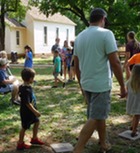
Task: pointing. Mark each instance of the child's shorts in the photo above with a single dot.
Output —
(98, 105)
(7, 88)
(28, 120)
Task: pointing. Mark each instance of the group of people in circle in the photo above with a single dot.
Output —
(63, 60)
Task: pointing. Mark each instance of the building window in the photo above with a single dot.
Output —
(67, 34)
(57, 32)
(45, 35)
(17, 37)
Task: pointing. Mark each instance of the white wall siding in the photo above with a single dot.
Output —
(7, 40)
(33, 35)
(40, 47)
(10, 40)
(30, 32)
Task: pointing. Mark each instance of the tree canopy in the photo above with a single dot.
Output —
(14, 9)
(123, 15)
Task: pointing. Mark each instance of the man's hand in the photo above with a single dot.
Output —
(123, 92)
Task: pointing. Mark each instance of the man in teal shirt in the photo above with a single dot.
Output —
(95, 50)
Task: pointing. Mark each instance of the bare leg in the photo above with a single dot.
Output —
(21, 135)
(85, 134)
(55, 81)
(35, 130)
(65, 70)
(128, 72)
(73, 72)
(69, 74)
(135, 123)
(101, 128)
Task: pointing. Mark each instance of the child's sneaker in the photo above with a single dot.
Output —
(36, 141)
(22, 146)
(64, 84)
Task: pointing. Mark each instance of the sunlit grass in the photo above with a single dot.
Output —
(42, 60)
(63, 113)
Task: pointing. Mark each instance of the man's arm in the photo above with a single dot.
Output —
(117, 69)
(77, 72)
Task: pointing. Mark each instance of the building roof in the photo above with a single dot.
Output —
(56, 18)
(13, 22)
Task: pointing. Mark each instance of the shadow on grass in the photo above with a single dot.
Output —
(63, 114)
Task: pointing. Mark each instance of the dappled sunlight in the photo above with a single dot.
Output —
(119, 119)
(63, 114)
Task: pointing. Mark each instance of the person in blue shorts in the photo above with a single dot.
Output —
(28, 109)
(28, 57)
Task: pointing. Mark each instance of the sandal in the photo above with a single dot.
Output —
(106, 149)
(134, 134)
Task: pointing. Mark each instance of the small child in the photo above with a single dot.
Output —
(28, 111)
(28, 57)
(57, 69)
(68, 63)
(3, 54)
(133, 99)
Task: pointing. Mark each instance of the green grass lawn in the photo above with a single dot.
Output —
(63, 114)
(42, 60)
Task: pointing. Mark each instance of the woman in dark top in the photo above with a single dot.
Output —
(132, 47)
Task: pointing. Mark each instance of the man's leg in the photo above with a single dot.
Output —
(101, 128)
(85, 134)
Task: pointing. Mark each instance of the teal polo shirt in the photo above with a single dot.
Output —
(57, 63)
(92, 47)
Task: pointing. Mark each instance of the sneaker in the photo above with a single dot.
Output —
(106, 149)
(70, 80)
(36, 141)
(22, 146)
(64, 84)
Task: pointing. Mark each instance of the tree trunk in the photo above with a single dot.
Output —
(2, 29)
(2, 34)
